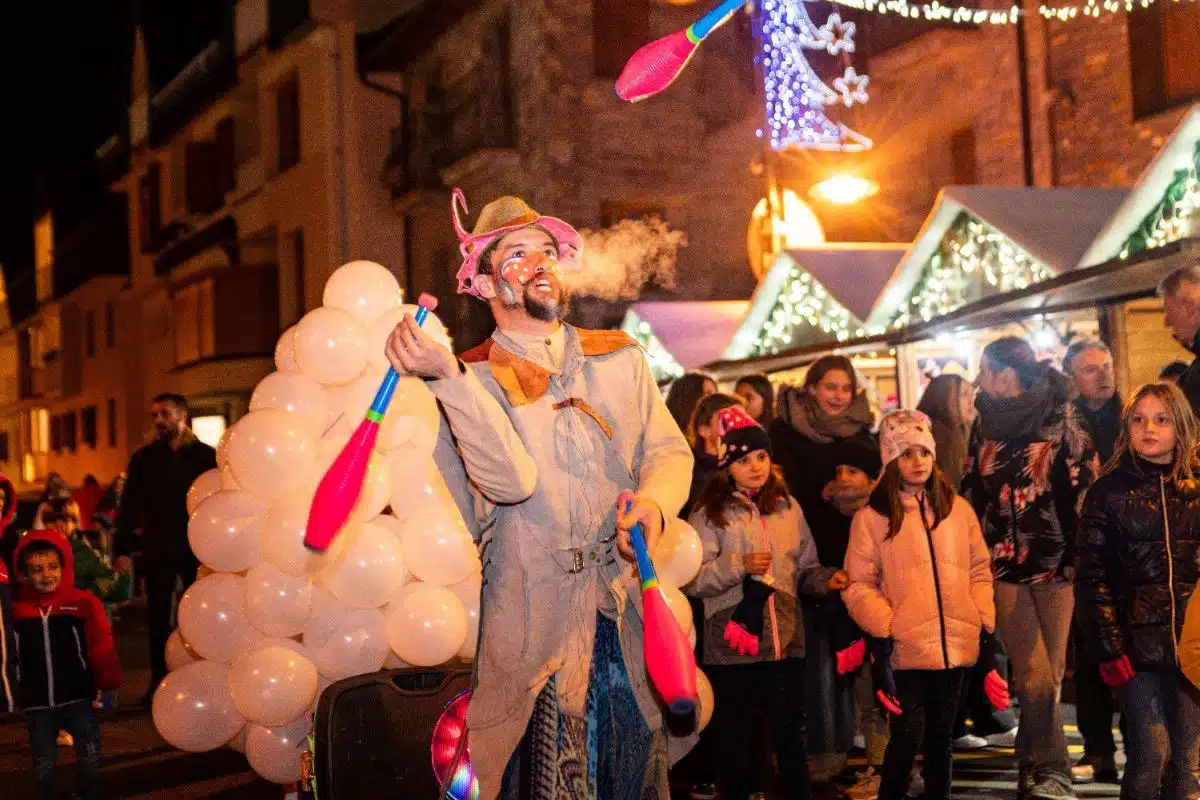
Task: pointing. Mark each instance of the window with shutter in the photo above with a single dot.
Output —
(1164, 56)
(110, 325)
(226, 156)
(88, 423)
(202, 194)
(89, 333)
(69, 422)
(56, 433)
(287, 122)
(112, 422)
(150, 208)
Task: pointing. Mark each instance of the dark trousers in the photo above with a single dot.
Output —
(80, 720)
(929, 700)
(973, 703)
(764, 697)
(161, 601)
(1094, 706)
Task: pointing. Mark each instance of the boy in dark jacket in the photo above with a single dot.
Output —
(66, 652)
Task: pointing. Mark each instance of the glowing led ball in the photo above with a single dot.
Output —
(451, 761)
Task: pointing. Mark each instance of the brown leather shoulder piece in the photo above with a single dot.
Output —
(478, 353)
(602, 343)
(523, 381)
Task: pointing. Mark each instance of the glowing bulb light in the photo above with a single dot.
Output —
(843, 189)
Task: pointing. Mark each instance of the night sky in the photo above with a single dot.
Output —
(64, 89)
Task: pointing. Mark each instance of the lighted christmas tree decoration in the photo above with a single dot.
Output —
(795, 96)
(1174, 217)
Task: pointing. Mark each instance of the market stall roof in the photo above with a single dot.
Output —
(815, 295)
(680, 336)
(1154, 197)
(1049, 228)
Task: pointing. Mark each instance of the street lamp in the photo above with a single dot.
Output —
(844, 189)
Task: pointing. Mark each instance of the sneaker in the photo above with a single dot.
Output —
(704, 791)
(1084, 770)
(64, 739)
(970, 742)
(916, 784)
(866, 787)
(1050, 787)
(1005, 739)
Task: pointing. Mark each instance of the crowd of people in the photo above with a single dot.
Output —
(870, 584)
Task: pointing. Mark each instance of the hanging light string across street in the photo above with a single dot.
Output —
(969, 15)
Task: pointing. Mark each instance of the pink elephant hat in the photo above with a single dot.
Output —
(501, 216)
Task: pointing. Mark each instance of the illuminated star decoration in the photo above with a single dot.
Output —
(852, 87)
(837, 36)
(794, 95)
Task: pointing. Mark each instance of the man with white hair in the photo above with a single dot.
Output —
(1181, 302)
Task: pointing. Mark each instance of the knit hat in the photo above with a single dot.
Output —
(901, 430)
(860, 452)
(740, 436)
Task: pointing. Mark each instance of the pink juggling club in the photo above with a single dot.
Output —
(670, 659)
(342, 484)
(655, 66)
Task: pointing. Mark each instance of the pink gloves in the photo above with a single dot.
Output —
(741, 640)
(996, 690)
(1117, 673)
(852, 657)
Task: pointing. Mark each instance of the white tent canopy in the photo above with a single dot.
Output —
(679, 336)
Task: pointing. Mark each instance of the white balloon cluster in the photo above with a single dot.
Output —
(270, 624)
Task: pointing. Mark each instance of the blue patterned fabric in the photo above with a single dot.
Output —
(609, 755)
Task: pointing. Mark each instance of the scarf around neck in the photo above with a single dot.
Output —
(800, 410)
(1003, 418)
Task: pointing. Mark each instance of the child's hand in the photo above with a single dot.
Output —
(838, 581)
(756, 563)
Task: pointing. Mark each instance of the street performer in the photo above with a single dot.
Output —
(553, 423)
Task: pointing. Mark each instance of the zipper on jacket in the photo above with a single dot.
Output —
(937, 583)
(49, 660)
(1162, 492)
(771, 599)
(79, 649)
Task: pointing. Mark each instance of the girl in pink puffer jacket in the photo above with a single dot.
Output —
(921, 587)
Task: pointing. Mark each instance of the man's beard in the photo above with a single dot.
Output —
(166, 432)
(544, 311)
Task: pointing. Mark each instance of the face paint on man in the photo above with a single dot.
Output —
(527, 267)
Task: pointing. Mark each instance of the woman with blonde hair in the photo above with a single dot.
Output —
(1139, 538)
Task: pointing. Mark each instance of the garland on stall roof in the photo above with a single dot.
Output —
(972, 261)
(1171, 219)
(973, 15)
(663, 365)
(804, 308)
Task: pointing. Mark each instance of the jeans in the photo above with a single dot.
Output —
(161, 602)
(1035, 621)
(872, 721)
(929, 702)
(80, 720)
(767, 696)
(1162, 716)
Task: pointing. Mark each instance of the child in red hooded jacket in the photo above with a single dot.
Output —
(65, 653)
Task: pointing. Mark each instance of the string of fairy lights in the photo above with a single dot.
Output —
(971, 15)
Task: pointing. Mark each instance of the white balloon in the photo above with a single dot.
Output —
(212, 618)
(427, 627)
(437, 547)
(395, 662)
(282, 540)
(206, 484)
(294, 392)
(223, 449)
(285, 351)
(411, 416)
(330, 346)
(677, 554)
(344, 641)
(274, 753)
(271, 452)
(364, 289)
(416, 483)
(468, 593)
(277, 604)
(228, 481)
(680, 608)
(238, 742)
(272, 685)
(177, 652)
(707, 701)
(381, 329)
(369, 569)
(376, 485)
(274, 641)
(223, 531)
(192, 709)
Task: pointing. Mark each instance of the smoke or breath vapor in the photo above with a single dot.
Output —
(619, 261)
